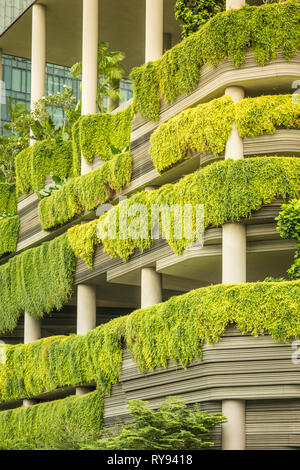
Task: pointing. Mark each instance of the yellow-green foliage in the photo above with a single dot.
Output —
(265, 30)
(255, 116)
(83, 239)
(205, 128)
(229, 190)
(94, 134)
(8, 199)
(36, 281)
(9, 234)
(35, 163)
(85, 193)
(55, 423)
(60, 361)
(176, 330)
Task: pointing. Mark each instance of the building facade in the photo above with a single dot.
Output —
(158, 316)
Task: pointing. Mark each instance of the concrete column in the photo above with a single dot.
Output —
(234, 271)
(86, 308)
(38, 52)
(32, 332)
(154, 29)
(86, 317)
(90, 27)
(235, 4)
(233, 432)
(234, 146)
(151, 287)
(32, 329)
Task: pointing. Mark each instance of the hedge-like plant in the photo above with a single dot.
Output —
(176, 330)
(265, 30)
(35, 163)
(95, 134)
(8, 200)
(9, 234)
(36, 281)
(54, 425)
(265, 114)
(86, 192)
(194, 13)
(207, 127)
(289, 227)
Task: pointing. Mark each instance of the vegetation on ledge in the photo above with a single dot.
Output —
(53, 425)
(36, 281)
(95, 134)
(86, 192)
(44, 158)
(206, 128)
(265, 30)
(9, 234)
(176, 330)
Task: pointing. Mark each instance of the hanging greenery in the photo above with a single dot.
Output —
(265, 30)
(194, 13)
(95, 134)
(55, 425)
(86, 192)
(206, 128)
(8, 200)
(176, 330)
(9, 234)
(36, 281)
(35, 163)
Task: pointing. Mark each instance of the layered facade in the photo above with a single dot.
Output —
(110, 313)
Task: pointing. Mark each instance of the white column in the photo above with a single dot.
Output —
(234, 4)
(90, 26)
(151, 287)
(233, 432)
(86, 308)
(32, 332)
(38, 52)
(154, 29)
(86, 316)
(234, 271)
(32, 329)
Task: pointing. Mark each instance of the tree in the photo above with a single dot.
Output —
(110, 71)
(194, 13)
(172, 427)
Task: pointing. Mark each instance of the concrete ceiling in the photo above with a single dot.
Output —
(121, 23)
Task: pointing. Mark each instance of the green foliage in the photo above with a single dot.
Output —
(205, 128)
(8, 199)
(194, 13)
(57, 425)
(110, 71)
(36, 281)
(176, 330)
(60, 361)
(264, 114)
(289, 227)
(229, 190)
(172, 426)
(9, 234)
(83, 240)
(35, 163)
(265, 30)
(85, 192)
(94, 134)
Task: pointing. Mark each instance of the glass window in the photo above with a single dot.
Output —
(16, 79)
